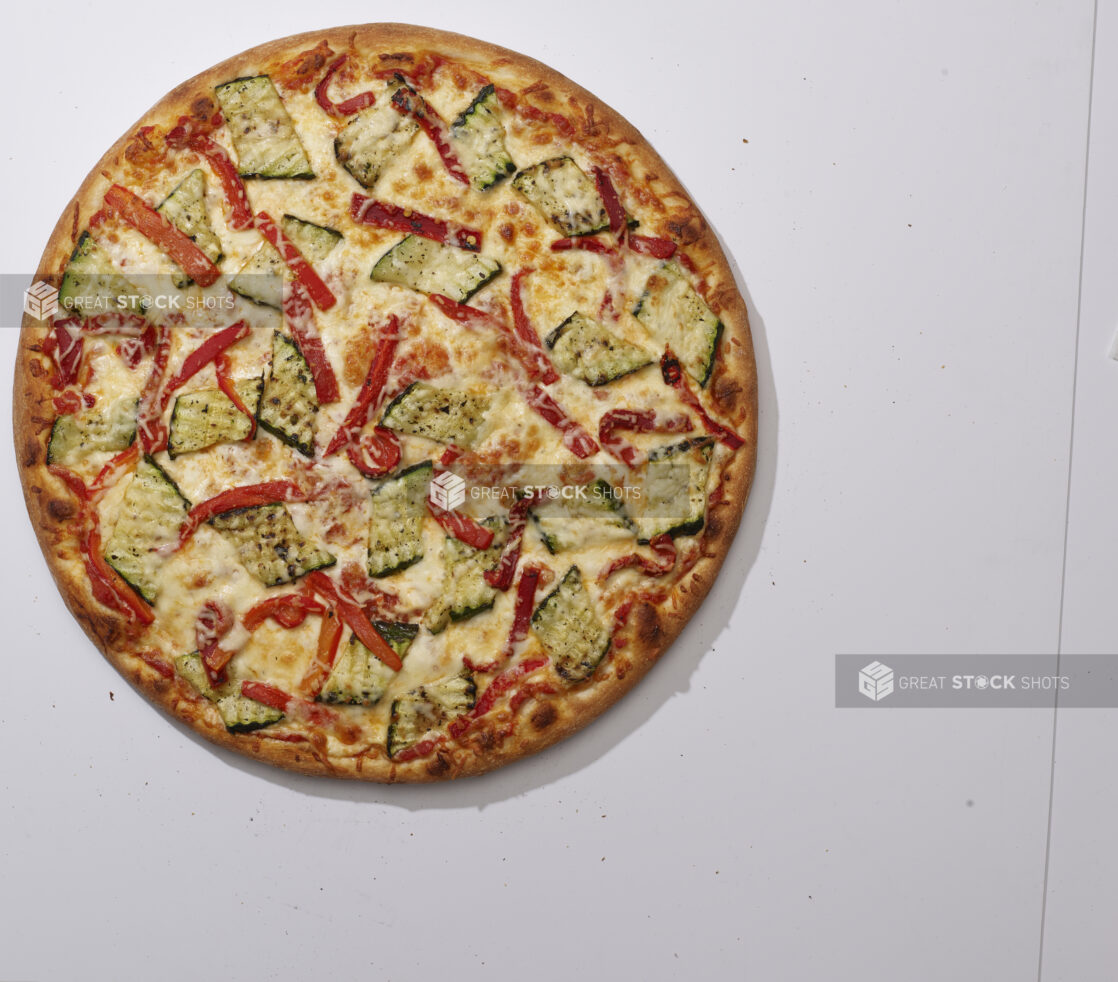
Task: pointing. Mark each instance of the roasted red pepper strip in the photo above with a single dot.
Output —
(107, 475)
(355, 617)
(201, 356)
(153, 661)
(382, 215)
(377, 454)
(533, 359)
(321, 295)
(672, 371)
(371, 389)
(501, 576)
(526, 332)
(289, 610)
(498, 687)
(349, 106)
(462, 527)
(329, 637)
(575, 438)
(648, 245)
(641, 421)
(512, 102)
(240, 213)
(299, 314)
(608, 193)
(521, 619)
(150, 431)
(410, 103)
(152, 225)
(586, 244)
(293, 706)
(67, 403)
(664, 548)
(246, 496)
(68, 349)
(215, 620)
(226, 384)
(421, 749)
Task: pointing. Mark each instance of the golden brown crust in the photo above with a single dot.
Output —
(650, 628)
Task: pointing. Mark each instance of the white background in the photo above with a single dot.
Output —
(925, 222)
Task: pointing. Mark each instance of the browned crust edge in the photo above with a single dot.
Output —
(653, 628)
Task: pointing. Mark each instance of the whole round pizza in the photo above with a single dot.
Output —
(385, 406)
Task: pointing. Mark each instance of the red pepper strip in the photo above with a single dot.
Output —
(152, 225)
(299, 314)
(371, 388)
(450, 455)
(226, 384)
(201, 356)
(246, 496)
(648, 245)
(462, 527)
(642, 421)
(377, 454)
(355, 617)
(106, 476)
(608, 193)
(151, 432)
(521, 618)
(349, 106)
(511, 101)
(673, 376)
(410, 103)
(524, 329)
(584, 243)
(500, 577)
(664, 548)
(67, 403)
(153, 661)
(289, 610)
(329, 638)
(498, 687)
(69, 345)
(575, 438)
(130, 325)
(303, 271)
(382, 215)
(421, 749)
(533, 359)
(240, 213)
(293, 706)
(214, 622)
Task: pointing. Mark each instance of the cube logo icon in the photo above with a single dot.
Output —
(875, 681)
(40, 300)
(447, 491)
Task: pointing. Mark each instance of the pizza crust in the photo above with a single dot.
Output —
(651, 627)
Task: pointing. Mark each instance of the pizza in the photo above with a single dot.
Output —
(396, 410)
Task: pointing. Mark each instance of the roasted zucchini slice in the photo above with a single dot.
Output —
(263, 134)
(564, 195)
(269, 545)
(674, 489)
(289, 403)
(207, 417)
(587, 349)
(590, 518)
(570, 629)
(443, 415)
(676, 316)
(185, 208)
(431, 267)
(399, 505)
(358, 677)
(191, 668)
(150, 516)
(369, 141)
(315, 242)
(465, 592)
(478, 139)
(427, 708)
(92, 284)
(242, 715)
(106, 428)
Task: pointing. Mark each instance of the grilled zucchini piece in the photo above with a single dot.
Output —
(289, 403)
(674, 493)
(570, 629)
(315, 242)
(208, 417)
(358, 677)
(399, 505)
(185, 208)
(370, 140)
(586, 349)
(427, 708)
(431, 267)
(678, 317)
(478, 139)
(92, 284)
(465, 592)
(110, 428)
(564, 195)
(595, 517)
(242, 714)
(191, 668)
(150, 516)
(443, 415)
(263, 134)
(269, 545)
